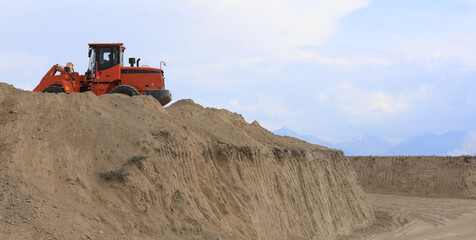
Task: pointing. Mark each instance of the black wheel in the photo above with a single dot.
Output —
(53, 89)
(125, 89)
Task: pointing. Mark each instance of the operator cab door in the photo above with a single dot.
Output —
(105, 63)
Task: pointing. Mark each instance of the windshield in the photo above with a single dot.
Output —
(108, 57)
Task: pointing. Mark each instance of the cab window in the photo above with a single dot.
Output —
(108, 57)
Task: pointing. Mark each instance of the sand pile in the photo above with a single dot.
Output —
(80, 166)
(453, 177)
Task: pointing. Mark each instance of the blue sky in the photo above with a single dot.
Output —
(334, 69)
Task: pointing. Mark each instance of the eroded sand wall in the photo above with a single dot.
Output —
(453, 177)
(207, 173)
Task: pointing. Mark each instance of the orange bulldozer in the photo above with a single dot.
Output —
(106, 74)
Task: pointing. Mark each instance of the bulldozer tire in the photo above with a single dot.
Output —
(125, 89)
(53, 89)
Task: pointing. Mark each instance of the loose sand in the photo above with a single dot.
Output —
(198, 173)
(419, 218)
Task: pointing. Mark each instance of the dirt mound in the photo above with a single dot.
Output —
(80, 166)
(453, 177)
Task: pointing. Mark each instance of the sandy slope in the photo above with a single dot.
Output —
(433, 176)
(207, 173)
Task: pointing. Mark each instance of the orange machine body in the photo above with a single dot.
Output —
(106, 72)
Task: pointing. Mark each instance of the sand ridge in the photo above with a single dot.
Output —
(203, 173)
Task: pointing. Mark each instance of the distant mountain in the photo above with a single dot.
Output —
(454, 143)
(365, 145)
(429, 144)
(284, 131)
(308, 138)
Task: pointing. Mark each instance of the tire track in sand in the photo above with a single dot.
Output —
(411, 218)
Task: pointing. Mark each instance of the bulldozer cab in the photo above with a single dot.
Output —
(103, 57)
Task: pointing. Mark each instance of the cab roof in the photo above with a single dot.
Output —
(104, 44)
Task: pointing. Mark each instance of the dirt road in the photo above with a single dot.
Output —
(402, 217)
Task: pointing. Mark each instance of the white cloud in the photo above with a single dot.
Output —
(258, 35)
(386, 103)
(272, 27)
(371, 105)
(280, 22)
(468, 147)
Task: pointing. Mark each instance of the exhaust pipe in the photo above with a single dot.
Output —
(138, 62)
